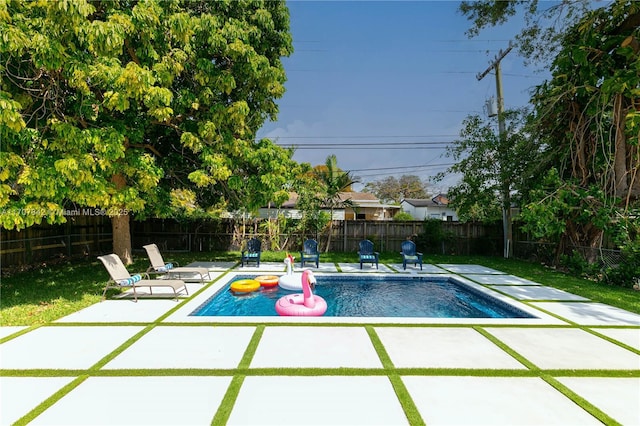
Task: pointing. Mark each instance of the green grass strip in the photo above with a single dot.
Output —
(409, 407)
(407, 403)
(385, 359)
(117, 351)
(507, 349)
(18, 333)
(312, 371)
(251, 348)
(611, 340)
(40, 372)
(169, 372)
(27, 418)
(581, 402)
(551, 314)
(100, 324)
(471, 372)
(320, 371)
(228, 401)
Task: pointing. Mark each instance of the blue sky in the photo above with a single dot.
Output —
(397, 76)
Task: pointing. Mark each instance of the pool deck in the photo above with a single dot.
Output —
(124, 363)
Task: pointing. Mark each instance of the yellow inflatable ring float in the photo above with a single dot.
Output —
(244, 286)
(267, 280)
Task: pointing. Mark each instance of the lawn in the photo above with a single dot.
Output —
(54, 291)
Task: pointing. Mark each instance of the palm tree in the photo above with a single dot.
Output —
(335, 181)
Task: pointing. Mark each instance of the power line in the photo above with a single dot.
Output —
(364, 136)
(339, 147)
(370, 144)
(416, 171)
(402, 167)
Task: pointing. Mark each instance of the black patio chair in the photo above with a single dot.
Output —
(366, 253)
(252, 252)
(310, 253)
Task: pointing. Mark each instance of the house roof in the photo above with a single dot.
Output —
(439, 200)
(358, 196)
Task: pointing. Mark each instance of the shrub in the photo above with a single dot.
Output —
(403, 217)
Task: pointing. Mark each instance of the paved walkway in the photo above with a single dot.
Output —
(150, 363)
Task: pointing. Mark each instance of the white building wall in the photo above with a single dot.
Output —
(434, 212)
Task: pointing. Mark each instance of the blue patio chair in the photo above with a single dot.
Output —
(252, 252)
(366, 253)
(410, 255)
(310, 253)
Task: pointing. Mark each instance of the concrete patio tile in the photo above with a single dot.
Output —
(190, 277)
(618, 397)
(264, 267)
(121, 311)
(468, 269)
(565, 348)
(366, 267)
(19, 395)
(186, 347)
(8, 331)
(499, 279)
(63, 347)
(628, 336)
(309, 347)
(138, 401)
(323, 267)
(537, 293)
(317, 400)
(590, 313)
(213, 266)
(447, 400)
(426, 269)
(447, 347)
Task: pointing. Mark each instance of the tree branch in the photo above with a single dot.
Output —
(146, 146)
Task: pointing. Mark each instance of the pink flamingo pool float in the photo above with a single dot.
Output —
(306, 304)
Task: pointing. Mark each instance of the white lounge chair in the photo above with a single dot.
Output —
(158, 266)
(120, 277)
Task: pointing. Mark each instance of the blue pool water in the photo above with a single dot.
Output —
(371, 296)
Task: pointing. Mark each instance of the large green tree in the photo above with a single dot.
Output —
(588, 116)
(394, 190)
(587, 120)
(146, 107)
(544, 22)
(492, 166)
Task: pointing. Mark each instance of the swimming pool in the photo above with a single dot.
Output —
(371, 296)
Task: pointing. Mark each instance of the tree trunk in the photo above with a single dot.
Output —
(326, 249)
(122, 238)
(120, 227)
(621, 184)
(507, 224)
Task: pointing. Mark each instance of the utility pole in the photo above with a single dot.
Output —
(506, 195)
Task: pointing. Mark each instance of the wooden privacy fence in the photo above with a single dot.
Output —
(91, 236)
(455, 237)
(80, 236)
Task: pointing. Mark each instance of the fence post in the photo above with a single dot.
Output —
(386, 234)
(344, 235)
(28, 255)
